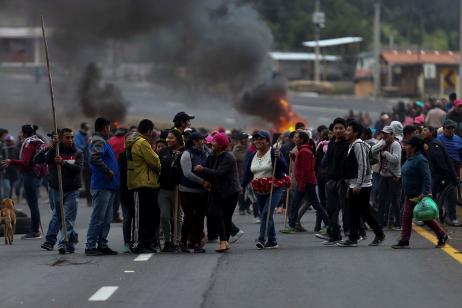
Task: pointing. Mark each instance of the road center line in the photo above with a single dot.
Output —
(103, 294)
(129, 271)
(451, 251)
(144, 257)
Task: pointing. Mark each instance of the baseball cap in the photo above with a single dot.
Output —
(458, 102)
(388, 130)
(262, 134)
(449, 123)
(182, 116)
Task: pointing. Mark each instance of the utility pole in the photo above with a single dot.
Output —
(377, 49)
(318, 20)
(460, 49)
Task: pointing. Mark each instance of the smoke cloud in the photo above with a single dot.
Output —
(216, 47)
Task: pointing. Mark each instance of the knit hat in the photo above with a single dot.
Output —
(221, 139)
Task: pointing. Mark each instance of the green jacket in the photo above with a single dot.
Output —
(143, 168)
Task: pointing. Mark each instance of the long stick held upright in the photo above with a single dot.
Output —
(55, 124)
(270, 202)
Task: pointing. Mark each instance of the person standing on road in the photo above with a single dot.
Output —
(193, 193)
(417, 184)
(142, 179)
(117, 142)
(167, 192)
(71, 161)
(453, 143)
(221, 171)
(335, 187)
(82, 141)
(358, 172)
(389, 151)
(31, 175)
(105, 182)
(304, 171)
(259, 172)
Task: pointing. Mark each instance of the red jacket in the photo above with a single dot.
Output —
(304, 167)
(117, 144)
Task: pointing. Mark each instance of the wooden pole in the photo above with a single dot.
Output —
(287, 196)
(55, 124)
(270, 201)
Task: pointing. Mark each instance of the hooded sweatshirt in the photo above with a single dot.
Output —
(143, 168)
(304, 167)
(361, 175)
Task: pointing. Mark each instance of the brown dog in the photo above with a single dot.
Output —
(8, 218)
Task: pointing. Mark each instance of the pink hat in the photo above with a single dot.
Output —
(208, 139)
(458, 102)
(221, 139)
(419, 120)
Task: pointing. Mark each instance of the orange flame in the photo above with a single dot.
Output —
(289, 118)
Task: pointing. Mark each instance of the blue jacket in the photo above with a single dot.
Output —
(453, 146)
(102, 159)
(281, 168)
(416, 176)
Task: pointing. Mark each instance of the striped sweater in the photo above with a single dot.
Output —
(364, 176)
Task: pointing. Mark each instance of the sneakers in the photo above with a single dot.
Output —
(260, 245)
(257, 220)
(362, 238)
(92, 252)
(377, 240)
(442, 241)
(126, 248)
(332, 241)
(31, 236)
(454, 223)
(347, 243)
(47, 246)
(168, 247)
(288, 230)
(299, 228)
(236, 237)
(106, 251)
(61, 249)
(271, 245)
(322, 236)
(401, 245)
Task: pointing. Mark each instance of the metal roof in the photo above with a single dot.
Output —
(334, 42)
(300, 56)
(20, 32)
(420, 57)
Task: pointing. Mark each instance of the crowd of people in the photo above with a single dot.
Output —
(179, 188)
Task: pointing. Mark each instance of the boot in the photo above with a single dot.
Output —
(222, 247)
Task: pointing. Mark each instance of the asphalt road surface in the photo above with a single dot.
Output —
(301, 273)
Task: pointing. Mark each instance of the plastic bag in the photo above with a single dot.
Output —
(426, 209)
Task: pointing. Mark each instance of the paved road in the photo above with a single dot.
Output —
(302, 273)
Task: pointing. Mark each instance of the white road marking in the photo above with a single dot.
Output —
(129, 271)
(103, 294)
(144, 257)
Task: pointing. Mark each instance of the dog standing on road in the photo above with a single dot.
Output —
(8, 219)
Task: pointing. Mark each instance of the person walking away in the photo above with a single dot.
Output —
(31, 173)
(417, 184)
(142, 180)
(335, 187)
(258, 172)
(222, 172)
(105, 180)
(443, 174)
(304, 171)
(71, 161)
(390, 186)
(193, 193)
(456, 116)
(358, 172)
(167, 192)
(82, 141)
(436, 116)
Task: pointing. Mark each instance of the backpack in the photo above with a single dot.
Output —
(39, 166)
(176, 173)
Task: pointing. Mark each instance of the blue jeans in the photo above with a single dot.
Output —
(311, 197)
(32, 192)
(71, 200)
(101, 217)
(263, 205)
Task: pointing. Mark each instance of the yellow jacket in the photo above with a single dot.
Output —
(143, 166)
